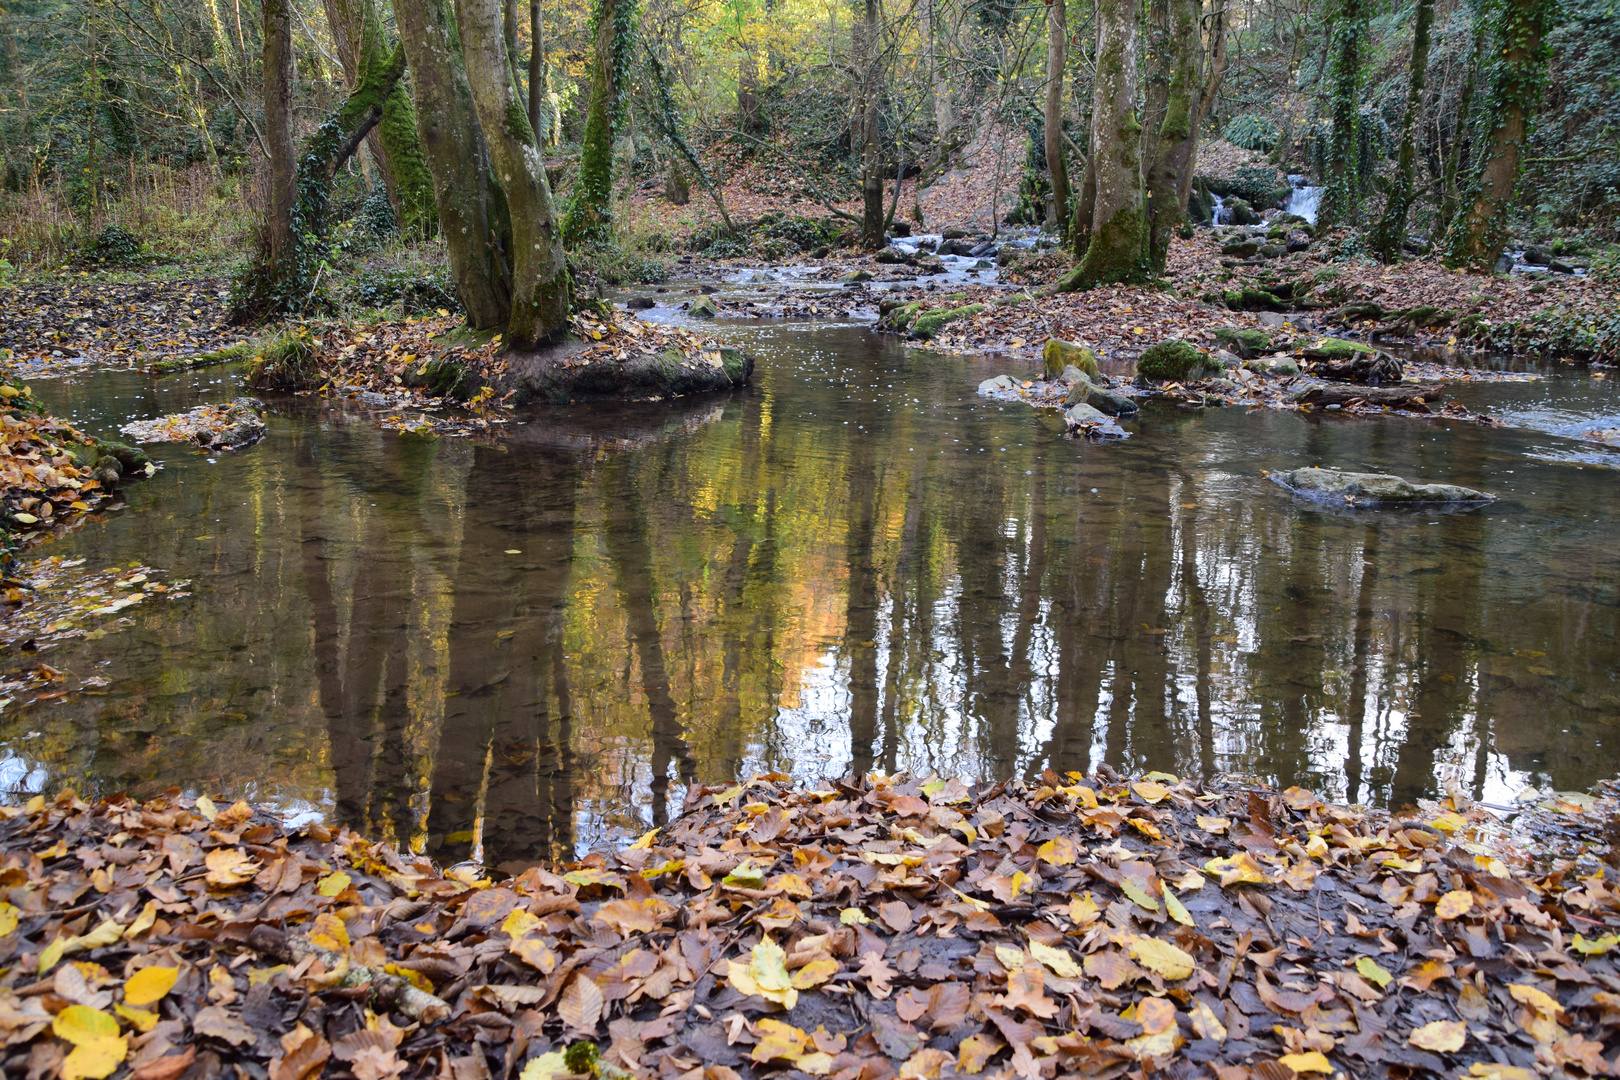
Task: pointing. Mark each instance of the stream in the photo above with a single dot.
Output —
(532, 648)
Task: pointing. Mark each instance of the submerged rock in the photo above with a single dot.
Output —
(1083, 419)
(640, 303)
(1112, 402)
(891, 257)
(1373, 489)
(1000, 382)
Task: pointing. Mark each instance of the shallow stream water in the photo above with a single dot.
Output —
(529, 649)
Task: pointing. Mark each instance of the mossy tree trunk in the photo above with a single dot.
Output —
(1343, 195)
(1118, 247)
(1388, 236)
(469, 203)
(1519, 74)
(1176, 89)
(278, 130)
(1057, 37)
(1459, 150)
(590, 218)
(540, 287)
(1213, 75)
(868, 106)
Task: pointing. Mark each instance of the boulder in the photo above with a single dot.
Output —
(1536, 255)
(1058, 354)
(1245, 343)
(1071, 375)
(955, 247)
(1172, 360)
(953, 233)
(1272, 366)
(932, 322)
(1085, 420)
(1273, 251)
(702, 308)
(1225, 360)
(855, 277)
(640, 303)
(891, 257)
(1373, 489)
(1111, 402)
(901, 228)
(1000, 383)
(1241, 249)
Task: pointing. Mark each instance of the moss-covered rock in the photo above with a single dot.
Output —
(1058, 354)
(1254, 300)
(1241, 249)
(930, 323)
(898, 317)
(1273, 366)
(1357, 310)
(1171, 360)
(1336, 350)
(442, 377)
(553, 373)
(1245, 343)
(702, 308)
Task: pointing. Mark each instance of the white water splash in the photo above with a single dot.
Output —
(1304, 200)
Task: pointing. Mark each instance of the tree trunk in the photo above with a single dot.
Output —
(591, 217)
(1212, 87)
(869, 112)
(1057, 35)
(938, 75)
(1391, 230)
(1522, 26)
(540, 288)
(357, 32)
(453, 145)
(1344, 177)
(1176, 140)
(537, 75)
(278, 130)
(1449, 196)
(1118, 247)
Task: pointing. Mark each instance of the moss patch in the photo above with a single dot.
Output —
(1170, 360)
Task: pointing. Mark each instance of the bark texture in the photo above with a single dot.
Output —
(1176, 89)
(1520, 73)
(470, 207)
(1118, 245)
(591, 216)
(540, 288)
(868, 112)
(1057, 36)
(1391, 229)
(278, 129)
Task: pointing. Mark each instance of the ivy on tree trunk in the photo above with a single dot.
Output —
(1391, 230)
(590, 218)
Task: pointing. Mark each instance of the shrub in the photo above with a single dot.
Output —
(416, 291)
(1252, 132)
(114, 247)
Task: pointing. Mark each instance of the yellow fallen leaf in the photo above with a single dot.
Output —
(1455, 903)
(1133, 889)
(814, 974)
(1535, 997)
(1058, 961)
(141, 1020)
(1162, 958)
(1205, 1024)
(545, 1066)
(1368, 969)
(1150, 790)
(229, 866)
(1059, 851)
(333, 884)
(1312, 1061)
(1582, 945)
(149, 984)
(765, 975)
(1236, 869)
(1441, 1037)
(1177, 910)
(853, 916)
(8, 919)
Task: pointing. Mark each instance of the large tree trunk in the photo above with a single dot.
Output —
(540, 288)
(278, 130)
(1213, 77)
(539, 114)
(1057, 36)
(1478, 239)
(1118, 248)
(1391, 230)
(447, 126)
(1449, 196)
(1343, 193)
(1175, 140)
(361, 48)
(591, 217)
(868, 112)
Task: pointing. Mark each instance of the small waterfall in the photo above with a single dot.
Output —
(1220, 215)
(1304, 200)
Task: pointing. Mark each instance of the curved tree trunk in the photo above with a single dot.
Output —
(540, 288)
(453, 145)
(1388, 236)
(1057, 35)
(1479, 238)
(1343, 194)
(1176, 139)
(591, 216)
(1118, 248)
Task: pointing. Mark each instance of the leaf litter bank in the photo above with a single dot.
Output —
(861, 931)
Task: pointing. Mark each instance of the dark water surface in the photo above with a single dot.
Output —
(532, 648)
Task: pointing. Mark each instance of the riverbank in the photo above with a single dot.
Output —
(863, 930)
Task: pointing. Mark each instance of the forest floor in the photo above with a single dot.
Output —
(860, 931)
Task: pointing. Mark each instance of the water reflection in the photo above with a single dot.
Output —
(520, 651)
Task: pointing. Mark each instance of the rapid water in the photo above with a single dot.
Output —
(532, 647)
(1304, 200)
